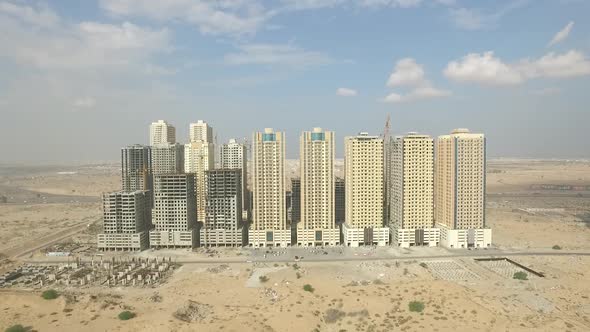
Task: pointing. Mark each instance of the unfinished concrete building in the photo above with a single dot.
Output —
(136, 168)
(223, 221)
(126, 220)
(175, 213)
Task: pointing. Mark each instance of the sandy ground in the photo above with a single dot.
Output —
(347, 297)
(233, 299)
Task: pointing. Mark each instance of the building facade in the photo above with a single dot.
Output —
(411, 191)
(167, 158)
(317, 225)
(199, 158)
(364, 177)
(162, 133)
(126, 220)
(233, 155)
(136, 168)
(175, 213)
(223, 221)
(200, 131)
(269, 224)
(460, 189)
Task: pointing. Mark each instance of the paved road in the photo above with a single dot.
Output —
(319, 259)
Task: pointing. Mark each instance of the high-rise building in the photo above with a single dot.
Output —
(161, 133)
(136, 168)
(126, 220)
(460, 190)
(364, 177)
(234, 156)
(317, 226)
(339, 200)
(411, 190)
(199, 158)
(223, 208)
(175, 213)
(201, 131)
(269, 224)
(167, 158)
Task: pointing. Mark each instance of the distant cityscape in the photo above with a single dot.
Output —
(404, 191)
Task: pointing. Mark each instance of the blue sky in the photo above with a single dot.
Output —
(80, 79)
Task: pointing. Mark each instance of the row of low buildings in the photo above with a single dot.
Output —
(411, 190)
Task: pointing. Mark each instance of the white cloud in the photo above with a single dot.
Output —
(406, 73)
(79, 46)
(475, 19)
(67, 64)
(546, 91)
(40, 16)
(562, 34)
(420, 93)
(279, 54)
(391, 3)
(346, 92)
(482, 68)
(233, 17)
(487, 69)
(409, 74)
(86, 102)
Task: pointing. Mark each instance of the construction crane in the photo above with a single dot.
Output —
(387, 127)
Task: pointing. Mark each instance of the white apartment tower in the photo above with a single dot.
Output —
(174, 213)
(161, 132)
(269, 227)
(167, 158)
(234, 156)
(411, 190)
(199, 158)
(200, 131)
(460, 189)
(364, 177)
(126, 220)
(317, 226)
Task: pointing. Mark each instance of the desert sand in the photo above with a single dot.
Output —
(458, 294)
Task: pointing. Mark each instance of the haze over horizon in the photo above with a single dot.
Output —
(80, 80)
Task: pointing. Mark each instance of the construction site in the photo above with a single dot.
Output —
(115, 272)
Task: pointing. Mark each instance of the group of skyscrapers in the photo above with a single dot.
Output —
(406, 190)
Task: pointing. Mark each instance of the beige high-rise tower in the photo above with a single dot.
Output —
(411, 190)
(198, 158)
(269, 224)
(200, 131)
(364, 177)
(317, 226)
(162, 133)
(460, 189)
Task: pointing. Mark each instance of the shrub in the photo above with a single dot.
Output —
(126, 315)
(16, 328)
(556, 247)
(50, 294)
(520, 275)
(263, 278)
(416, 306)
(308, 288)
(424, 265)
(298, 275)
(295, 267)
